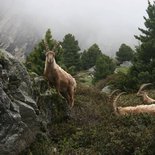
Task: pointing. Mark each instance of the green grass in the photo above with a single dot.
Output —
(122, 69)
(85, 78)
(94, 129)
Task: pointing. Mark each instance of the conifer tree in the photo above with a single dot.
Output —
(89, 57)
(125, 53)
(71, 56)
(104, 67)
(146, 52)
(143, 69)
(36, 59)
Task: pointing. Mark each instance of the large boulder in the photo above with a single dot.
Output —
(27, 106)
(19, 122)
(52, 107)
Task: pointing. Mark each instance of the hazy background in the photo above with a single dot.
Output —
(109, 23)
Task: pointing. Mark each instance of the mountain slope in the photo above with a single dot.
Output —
(18, 33)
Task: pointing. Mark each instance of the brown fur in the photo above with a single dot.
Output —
(64, 83)
(150, 109)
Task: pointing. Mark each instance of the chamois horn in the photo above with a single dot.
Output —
(115, 103)
(57, 44)
(113, 92)
(142, 87)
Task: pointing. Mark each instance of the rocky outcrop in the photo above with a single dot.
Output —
(18, 111)
(26, 108)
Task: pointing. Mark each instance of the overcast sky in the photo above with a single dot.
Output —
(109, 23)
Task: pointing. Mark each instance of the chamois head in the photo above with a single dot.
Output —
(50, 54)
(50, 57)
(140, 91)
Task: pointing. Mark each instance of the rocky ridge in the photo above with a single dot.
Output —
(26, 107)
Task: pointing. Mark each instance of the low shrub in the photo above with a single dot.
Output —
(94, 129)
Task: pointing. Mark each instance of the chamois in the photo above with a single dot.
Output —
(63, 82)
(149, 109)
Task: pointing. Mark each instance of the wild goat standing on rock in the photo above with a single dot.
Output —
(64, 83)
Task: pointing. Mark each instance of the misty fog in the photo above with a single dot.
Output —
(107, 23)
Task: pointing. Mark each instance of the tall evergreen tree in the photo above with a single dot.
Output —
(125, 53)
(143, 69)
(146, 52)
(53, 43)
(104, 67)
(71, 56)
(89, 57)
(36, 59)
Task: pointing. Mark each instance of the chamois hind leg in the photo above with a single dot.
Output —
(67, 97)
(71, 96)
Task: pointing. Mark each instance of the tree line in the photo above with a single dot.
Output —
(73, 60)
(70, 58)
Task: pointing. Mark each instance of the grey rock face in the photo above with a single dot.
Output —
(51, 106)
(19, 122)
(27, 107)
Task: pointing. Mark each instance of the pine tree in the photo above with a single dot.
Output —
(104, 67)
(36, 59)
(146, 52)
(84, 60)
(143, 69)
(71, 56)
(89, 57)
(53, 43)
(125, 53)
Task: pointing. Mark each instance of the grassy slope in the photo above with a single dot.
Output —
(94, 129)
(122, 69)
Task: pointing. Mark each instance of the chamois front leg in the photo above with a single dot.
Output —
(71, 97)
(57, 87)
